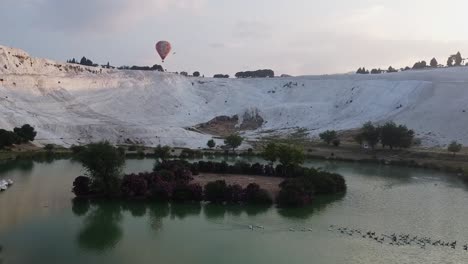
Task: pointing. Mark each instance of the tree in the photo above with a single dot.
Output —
(233, 141)
(328, 136)
(162, 152)
(49, 147)
(211, 143)
(396, 136)
(221, 76)
(8, 138)
(183, 73)
(454, 147)
(420, 65)
(450, 61)
(26, 132)
(270, 152)
(289, 155)
(458, 59)
(103, 163)
(256, 74)
(434, 63)
(196, 74)
(391, 69)
(369, 133)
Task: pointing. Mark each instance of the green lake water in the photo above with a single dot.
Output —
(40, 223)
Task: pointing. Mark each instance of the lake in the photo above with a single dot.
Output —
(40, 223)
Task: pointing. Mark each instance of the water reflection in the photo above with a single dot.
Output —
(24, 165)
(319, 204)
(157, 212)
(218, 211)
(101, 229)
(136, 208)
(80, 207)
(182, 210)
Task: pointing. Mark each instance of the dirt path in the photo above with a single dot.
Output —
(268, 183)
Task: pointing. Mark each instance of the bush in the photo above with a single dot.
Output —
(216, 191)
(183, 192)
(300, 191)
(211, 143)
(256, 74)
(81, 186)
(254, 194)
(221, 76)
(234, 194)
(134, 185)
(77, 149)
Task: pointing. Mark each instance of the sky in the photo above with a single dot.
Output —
(296, 37)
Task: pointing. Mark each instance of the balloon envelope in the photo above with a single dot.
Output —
(163, 48)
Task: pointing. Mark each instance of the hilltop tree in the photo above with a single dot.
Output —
(328, 136)
(391, 69)
(420, 65)
(233, 141)
(454, 147)
(211, 143)
(196, 74)
(450, 61)
(86, 62)
(458, 59)
(434, 63)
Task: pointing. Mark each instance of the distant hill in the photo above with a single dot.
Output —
(70, 103)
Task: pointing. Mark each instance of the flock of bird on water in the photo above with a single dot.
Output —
(389, 239)
(396, 239)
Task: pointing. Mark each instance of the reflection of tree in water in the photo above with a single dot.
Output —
(80, 206)
(214, 211)
(24, 165)
(136, 208)
(319, 204)
(218, 211)
(101, 230)
(182, 210)
(156, 213)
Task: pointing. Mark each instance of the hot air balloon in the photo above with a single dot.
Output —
(163, 48)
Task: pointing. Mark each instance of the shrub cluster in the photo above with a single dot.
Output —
(220, 192)
(301, 190)
(256, 74)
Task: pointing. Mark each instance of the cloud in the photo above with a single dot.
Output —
(252, 30)
(102, 16)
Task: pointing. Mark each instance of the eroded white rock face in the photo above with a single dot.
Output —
(70, 104)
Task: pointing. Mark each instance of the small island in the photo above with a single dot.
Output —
(287, 184)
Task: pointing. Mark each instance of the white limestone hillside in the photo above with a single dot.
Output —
(70, 104)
